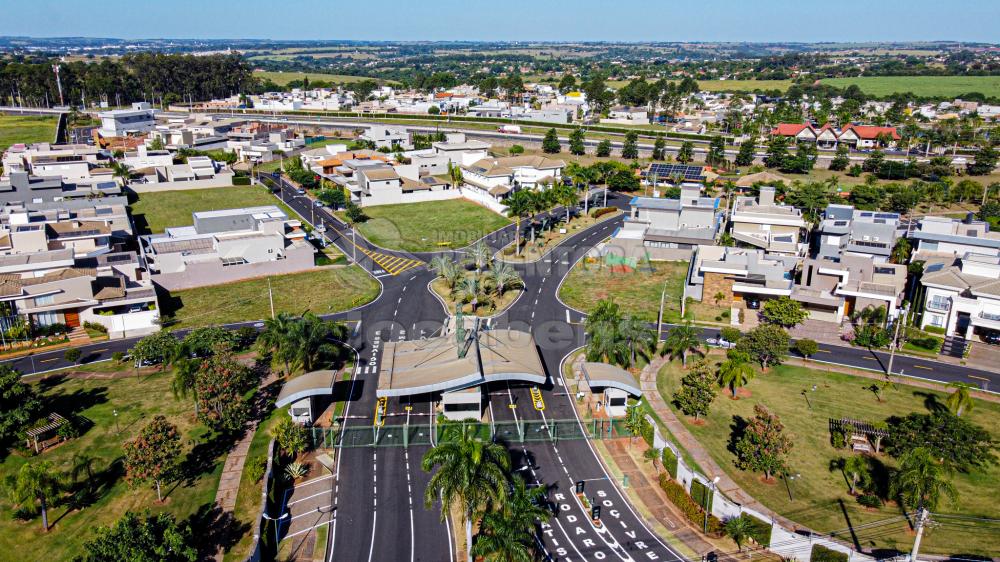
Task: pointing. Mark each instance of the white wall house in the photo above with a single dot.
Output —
(120, 122)
(962, 298)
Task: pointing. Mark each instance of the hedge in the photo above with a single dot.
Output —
(701, 495)
(760, 531)
(241, 180)
(934, 329)
(600, 212)
(692, 511)
(669, 460)
(821, 553)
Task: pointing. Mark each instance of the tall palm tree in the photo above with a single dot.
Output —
(736, 371)
(35, 482)
(469, 288)
(442, 266)
(185, 377)
(508, 535)
(313, 338)
(479, 255)
(606, 344)
(638, 336)
(471, 474)
(504, 277)
(681, 341)
(518, 205)
(921, 481)
(739, 529)
(960, 401)
(277, 339)
(566, 195)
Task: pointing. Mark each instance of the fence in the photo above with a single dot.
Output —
(255, 553)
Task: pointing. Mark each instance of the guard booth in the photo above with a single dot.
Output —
(308, 395)
(609, 388)
(463, 404)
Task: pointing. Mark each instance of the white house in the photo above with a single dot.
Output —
(962, 296)
(121, 122)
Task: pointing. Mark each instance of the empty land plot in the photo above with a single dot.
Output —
(430, 226)
(154, 212)
(27, 129)
(282, 78)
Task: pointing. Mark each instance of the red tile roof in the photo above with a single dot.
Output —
(790, 129)
(871, 131)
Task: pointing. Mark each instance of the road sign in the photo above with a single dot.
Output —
(595, 512)
(580, 485)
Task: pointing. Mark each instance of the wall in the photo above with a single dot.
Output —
(204, 274)
(484, 199)
(394, 195)
(126, 325)
(223, 179)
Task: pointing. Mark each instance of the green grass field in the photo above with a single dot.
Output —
(930, 86)
(743, 85)
(821, 499)
(427, 227)
(282, 78)
(26, 129)
(136, 399)
(154, 212)
(322, 291)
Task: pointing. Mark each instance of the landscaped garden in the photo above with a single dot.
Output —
(428, 227)
(820, 496)
(479, 285)
(550, 231)
(322, 291)
(154, 212)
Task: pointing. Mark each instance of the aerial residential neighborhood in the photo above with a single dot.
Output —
(532, 282)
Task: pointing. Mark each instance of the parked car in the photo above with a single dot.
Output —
(992, 337)
(719, 342)
(753, 303)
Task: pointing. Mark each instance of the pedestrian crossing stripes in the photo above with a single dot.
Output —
(393, 265)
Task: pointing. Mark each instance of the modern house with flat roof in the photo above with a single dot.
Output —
(831, 290)
(737, 276)
(122, 122)
(686, 222)
(849, 231)
(943, 236)
(764, 224)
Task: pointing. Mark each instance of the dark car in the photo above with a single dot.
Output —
(992, 338)
(753, 303)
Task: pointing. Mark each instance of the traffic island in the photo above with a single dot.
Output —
(551, 232)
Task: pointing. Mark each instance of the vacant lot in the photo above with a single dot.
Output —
(821, 495)
(743, 85)
(154, 212)
(430, 226)
(930, 86)
(323, 291)
(136, 399)
(27, 129)
(282, 78)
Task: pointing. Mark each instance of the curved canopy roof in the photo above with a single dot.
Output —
(604, 375)
(316, 383)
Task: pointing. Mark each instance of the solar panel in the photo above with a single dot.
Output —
(671, 170)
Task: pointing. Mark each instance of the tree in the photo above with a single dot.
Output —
(635, 421)
(957, 443)
(277, 339)
(736, 371)
(739, 529)
(518, 206)
(433, 110)
(763, 445)
(686, 152)
(857, 471)
(291, 437)
(156, 348)
(471, 475)
(34, 482)
(682, 340)
(747, 152)
(146, 538)
(576, 142)
(630, 148)
(716, 156)
(153, 455)
(333, 198)
(960, 401)
(784, 312)
(185, 378)
(606, 342)
(985, 161)
(873, 161)
(697, 391)
(841, 159)
(603, 149)
(313, 340)
(900, 251)
(767, 345)
(508, 535)
(920, 481)
(639, 338)
(806, 347)
(777, 152)
(220, 384)
(624, 181)
(659, 148)
(354, 213)
(504, 277)
(567, 83)
(550, 144)
(19, 404)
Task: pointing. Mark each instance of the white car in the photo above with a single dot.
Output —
(719, 342)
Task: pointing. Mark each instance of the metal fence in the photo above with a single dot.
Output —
(433, 434)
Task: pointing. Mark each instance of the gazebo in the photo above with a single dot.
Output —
(861, 435)
(55, 421)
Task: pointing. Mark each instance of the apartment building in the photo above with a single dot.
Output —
(849, 231)
(225, 246)
(764, 224)
(962, 295)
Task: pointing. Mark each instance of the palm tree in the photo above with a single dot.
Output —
(277, 338)
(856, 469)
(508, 535)
(122, 171)
(312, 337)
(518, 205)
(469, 288)
(736, 372)
(504, 277)
(479, 255)
(470, 473)
(739, 529)
(680, 341)
(442, 266)
(566, 195)
(185, 376)
(606, 344)
(920, 480)
(34, 482)
(960, 401)
(638, 336)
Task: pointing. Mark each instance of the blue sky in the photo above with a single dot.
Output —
(513, 20)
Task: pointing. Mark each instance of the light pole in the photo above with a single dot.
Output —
(711, 488)
(115, 414)
(277, 525)
(790, 479)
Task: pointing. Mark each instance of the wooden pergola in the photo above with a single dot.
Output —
(869, 431)
(55, 422)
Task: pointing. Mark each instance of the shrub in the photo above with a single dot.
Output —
(72, 355)
(838, 439)
(94, 326)
(821, 553)
(601, 211)
(68, 430)
(295, 470)
(934, 329)
(118, 357)
(701, 494)
(244, 338)
(256, 468)
(761, 532)
(870, 500)
(516, 149)
(691, 510)
(669, 460)
(241, 180)
(731, 334)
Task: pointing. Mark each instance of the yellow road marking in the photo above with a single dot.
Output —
(536, 399)
(380, 407)
(47, 360)
(980, 378)
(923, 367)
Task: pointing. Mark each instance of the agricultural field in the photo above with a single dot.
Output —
(27, 129)
(930, 86)
(282, 78)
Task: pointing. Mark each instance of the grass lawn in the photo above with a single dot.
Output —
(322, 291)
(821, 495)
(637, 292)
(137, 399)
(743, 85)
(27, 129)
(282, 78)
(430, 226)
(154, 212)
(930, 86)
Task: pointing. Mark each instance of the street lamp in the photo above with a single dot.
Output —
(707, 496)
(790, 479)
(115, 414)
(277, 525)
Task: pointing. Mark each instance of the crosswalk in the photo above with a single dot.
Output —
(392, 265)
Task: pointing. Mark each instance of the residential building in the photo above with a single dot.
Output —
(849, 231)
(622, 115)
(830, 290)
(828, 137)
(19, 188)
(197, 172)
(954, 237)
(737, 276)
(387, 185)
(225, 246)
(123, 122)
(764, 224)
(962, 295)
(383, 136)
(686, 222)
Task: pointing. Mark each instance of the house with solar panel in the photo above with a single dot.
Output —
(682, 223)
(225, 246)
(850, 231)
(672, 174)
(763, 223)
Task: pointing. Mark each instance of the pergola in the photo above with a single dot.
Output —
(870, 430)
(55, 422)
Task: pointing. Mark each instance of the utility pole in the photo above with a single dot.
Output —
(659, 317)
(270, 297)
(922, 516)
(895, 340)
(55, 68)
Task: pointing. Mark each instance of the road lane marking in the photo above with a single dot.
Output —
(980, 378)
(923, 367)
(47, 360)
